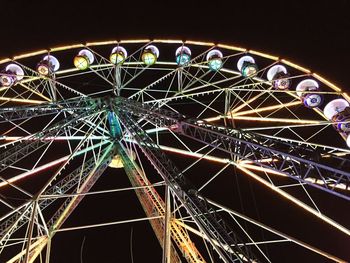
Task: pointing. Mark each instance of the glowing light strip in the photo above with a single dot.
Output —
(36, 245)
(101, 43)
(38, 249)
(295, 200)
(36, 170)
(35, 92)
(287, 62)
(200, 43)
(262, 169)
(58, 138)
(61, 48)
(29, 79)
(248, 118)
(193, 154)
(39, 52)
(170, 41)
(261, 54)
(22, 100)
(47, 165)
(346, 96)
(268, 160)
(321, 182)
(185, 243)
(270, 229)
(334, 87)
(135, 41)
(247, 103)
(5, 60)
(232, 47)
(4, 88)
(267, 108)
(214, 118)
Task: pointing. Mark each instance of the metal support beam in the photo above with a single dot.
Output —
(207, 219)
(167, 240)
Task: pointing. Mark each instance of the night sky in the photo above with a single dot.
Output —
(314, 34)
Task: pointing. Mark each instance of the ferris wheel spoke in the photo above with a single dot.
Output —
(34, 91)
(85, 180)
(35, 141)
(25, 148)
(295, 200)
(18, 113)
(138, 94)
(274, 231)
(241, 163)
(208, 106)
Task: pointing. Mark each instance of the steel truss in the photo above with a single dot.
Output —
(205, 217)
(299, 162)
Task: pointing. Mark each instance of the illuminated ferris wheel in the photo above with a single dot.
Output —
(190, 123)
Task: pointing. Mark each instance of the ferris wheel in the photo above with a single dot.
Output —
(191, 124)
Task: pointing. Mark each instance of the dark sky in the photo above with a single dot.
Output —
(314, 34)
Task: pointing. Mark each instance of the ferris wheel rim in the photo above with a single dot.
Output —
(172, 41)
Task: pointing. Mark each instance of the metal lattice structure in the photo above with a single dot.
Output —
(166, 121)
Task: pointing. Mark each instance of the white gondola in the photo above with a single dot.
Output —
(118, 55)
(214, 58)
(305, 91)
(150, 55)
(246, 65)
(84, 59)
(334, 107)
(183, 55)
(48, 65)
(279, 77)
(11, 75)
